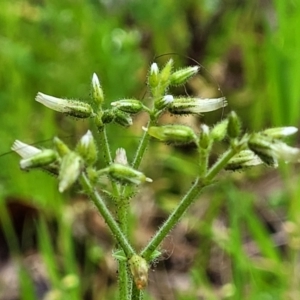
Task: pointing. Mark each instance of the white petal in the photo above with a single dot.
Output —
(54, 103)
(24, 150)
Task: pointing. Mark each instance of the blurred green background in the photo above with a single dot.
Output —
(246, 244)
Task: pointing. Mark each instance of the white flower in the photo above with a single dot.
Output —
(285, 152)
(71, 107)
(167, 99)
(87, 148)
(121, 157)
(196, 105)
(280, 132)
(24, 150)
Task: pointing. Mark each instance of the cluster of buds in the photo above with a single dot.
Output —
(69, 165)
(63, 162)
(267, 148)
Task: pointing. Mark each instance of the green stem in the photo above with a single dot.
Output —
(136, 293)
(110, 221)
(188, 199)
(172, 220)
(122, 213)
(142, 147)
(107, 155)
(203, 161)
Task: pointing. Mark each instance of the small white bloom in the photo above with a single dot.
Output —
(87, 139)
(286, 153)
(24, 150)
(196, 105)
(280, 132)
(95, 81)
(154, 69)
(168, 99)
(98, 96)
(72, 107)
(121, 157)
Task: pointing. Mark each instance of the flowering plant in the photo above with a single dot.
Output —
(244, 150)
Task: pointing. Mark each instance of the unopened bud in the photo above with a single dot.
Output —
(219, 131)
(124, 174)
(165, 76)
(60, 147)
(173, 134)
(164, 102)
(130, 106)
(70, 169)
(153, 79)
(234, 125)
(41, 159)
(182, 76)
(204, 138)
(122, 118)
(139, 271)
(261, 145)
(107, 116)
(243, 160)
(121, 157)
(73, 108)
(97, 91)
(87, 149)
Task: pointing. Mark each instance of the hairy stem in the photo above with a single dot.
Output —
(110, 221)
(188, 199)
(172, 220)
(122, 213)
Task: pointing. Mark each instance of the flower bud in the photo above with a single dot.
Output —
(124, 174)
(41, 159)
(97, 92)
(163, 102)
(70, 169)
(153, 79)
(243, 160)
(139, 270)
(183, 106)
(121, 157)
(262, 146)
(165, 76)
(130, 106)
(122, 118)
(73, 108)
(87, 149)
(234, 125)
(60, 146)
(182, 76)
(280, 132)
(108, 116)
(204, 138)
(173, 134)
(219, 131)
